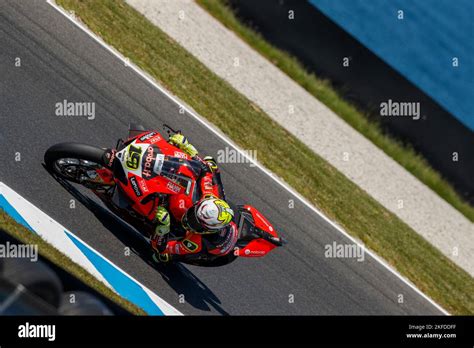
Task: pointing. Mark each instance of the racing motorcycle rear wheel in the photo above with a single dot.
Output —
(75, 162)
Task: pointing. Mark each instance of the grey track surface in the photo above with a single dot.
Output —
(59, 61)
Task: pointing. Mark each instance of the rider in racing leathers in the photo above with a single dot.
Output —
(207, 222)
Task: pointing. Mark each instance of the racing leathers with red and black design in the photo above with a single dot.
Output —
(197, 239)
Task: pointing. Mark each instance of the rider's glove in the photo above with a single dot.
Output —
(211, 162)
(182, 143)
(163, 221)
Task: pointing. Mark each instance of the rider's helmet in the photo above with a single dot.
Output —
(209, 215)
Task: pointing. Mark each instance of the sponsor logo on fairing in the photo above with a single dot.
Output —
(143, 186)
(179, 154)
(135, 187)
(147, 165)
(173, 187)
(151, 138)
(147, 136)
(255, 252)
(110, 156)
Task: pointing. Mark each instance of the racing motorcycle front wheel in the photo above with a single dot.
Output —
(75, 162)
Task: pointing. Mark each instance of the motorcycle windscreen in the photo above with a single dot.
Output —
(135, 129)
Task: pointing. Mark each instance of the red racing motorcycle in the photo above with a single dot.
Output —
(144, 172)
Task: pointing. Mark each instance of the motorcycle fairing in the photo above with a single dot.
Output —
(152, 165)
(257, 237)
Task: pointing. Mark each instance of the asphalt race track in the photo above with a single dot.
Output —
(60, 62)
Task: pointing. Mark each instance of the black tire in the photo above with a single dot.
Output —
(84, 304)
(72, 150)
(36, 277)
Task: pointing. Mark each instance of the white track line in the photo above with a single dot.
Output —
(229, 142)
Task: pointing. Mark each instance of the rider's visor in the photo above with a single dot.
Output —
(190, 221)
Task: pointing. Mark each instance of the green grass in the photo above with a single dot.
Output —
(323, 91)
(151, 49)
(47, 251)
